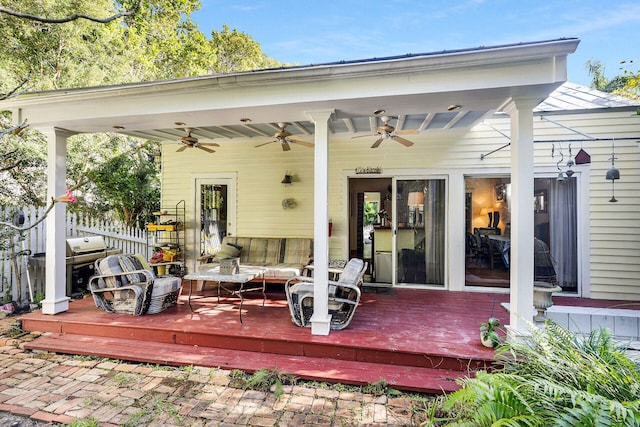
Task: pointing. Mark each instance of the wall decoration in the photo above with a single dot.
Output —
(500, 193)
(540, 201)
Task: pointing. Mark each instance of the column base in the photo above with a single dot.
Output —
(320, 326)
(55, 307)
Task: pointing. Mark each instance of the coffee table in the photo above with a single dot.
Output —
(241, 278)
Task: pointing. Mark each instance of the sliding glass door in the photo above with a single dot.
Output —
(421, 229)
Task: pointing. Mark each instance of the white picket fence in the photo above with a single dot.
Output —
(24, 262)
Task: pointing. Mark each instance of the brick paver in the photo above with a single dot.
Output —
(58, 388)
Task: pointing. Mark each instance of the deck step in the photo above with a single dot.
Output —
(425, 380)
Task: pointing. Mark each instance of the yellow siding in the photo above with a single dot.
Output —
(614, 240)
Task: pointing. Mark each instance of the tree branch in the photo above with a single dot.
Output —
(46, 212)
(11, 166)
(13, 92)
(70, 18)
(16, 130)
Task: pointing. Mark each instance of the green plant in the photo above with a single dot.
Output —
(552, 378)
(489, 332)
(92, 422)
(370, 213)
(263, 380)
(39, 298)
(379, 387)
(121, 378)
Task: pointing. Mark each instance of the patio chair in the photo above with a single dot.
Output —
(126, 284)
(344, 296)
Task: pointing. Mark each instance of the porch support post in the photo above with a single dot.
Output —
(56, 300)
(321, 320)
(522, 227)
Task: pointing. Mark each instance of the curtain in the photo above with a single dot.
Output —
(563, 242)
(434, 221)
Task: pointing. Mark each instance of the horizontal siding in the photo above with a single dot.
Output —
(614, 227)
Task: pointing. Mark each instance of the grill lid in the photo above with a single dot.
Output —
(83, 245)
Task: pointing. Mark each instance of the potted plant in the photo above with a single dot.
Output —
(489, 332)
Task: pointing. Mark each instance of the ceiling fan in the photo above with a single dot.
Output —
(282, 136)
(386, 131)
(189, 141)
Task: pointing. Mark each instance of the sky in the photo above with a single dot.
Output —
(307, 32)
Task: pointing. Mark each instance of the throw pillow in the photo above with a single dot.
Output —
(227, 251)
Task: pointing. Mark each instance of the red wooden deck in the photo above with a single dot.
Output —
(419, 340)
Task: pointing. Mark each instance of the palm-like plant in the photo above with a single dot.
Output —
(553, 378)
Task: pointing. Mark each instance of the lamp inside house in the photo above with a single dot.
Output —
(489, 212)
(414, 201)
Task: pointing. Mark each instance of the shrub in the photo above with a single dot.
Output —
(552, 378)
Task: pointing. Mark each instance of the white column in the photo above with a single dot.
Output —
(56, 300)
(457, 238)
(522, 226)
(321, 320)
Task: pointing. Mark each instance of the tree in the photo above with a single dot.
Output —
(631, 86)
(22, 168)
(237, 51)
(58, 44)
(627, 84)
(129, 184)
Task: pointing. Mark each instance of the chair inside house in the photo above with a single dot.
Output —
(126, 284)
(482, 246)
(344, 296)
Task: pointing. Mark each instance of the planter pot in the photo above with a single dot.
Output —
(486, 341)
(542, 298)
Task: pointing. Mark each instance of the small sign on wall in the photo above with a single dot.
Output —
(368, 170)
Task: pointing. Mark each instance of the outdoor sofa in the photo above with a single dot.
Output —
(281, 257)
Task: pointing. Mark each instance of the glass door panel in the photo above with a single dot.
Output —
(420, 237)
(213, 217)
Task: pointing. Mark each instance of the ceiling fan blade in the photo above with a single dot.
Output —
(403, 141)
(363, 136)
(377, 143)
(285, 146)
(210, 144)
(261, 145)
(184, 147)
(300, 142)
(407, 132)
(208, 150)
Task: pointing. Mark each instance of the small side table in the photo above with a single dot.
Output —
(245, 275)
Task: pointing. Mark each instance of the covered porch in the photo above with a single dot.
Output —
(436, 96)
(419, 340)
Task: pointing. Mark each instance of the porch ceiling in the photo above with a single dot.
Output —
(444, 91)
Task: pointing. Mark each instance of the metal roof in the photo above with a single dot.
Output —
(571, 97)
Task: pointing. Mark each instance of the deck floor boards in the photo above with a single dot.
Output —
(392, 335)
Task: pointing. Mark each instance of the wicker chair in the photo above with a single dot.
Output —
(344, 296)
(544, 270)
(126, 284)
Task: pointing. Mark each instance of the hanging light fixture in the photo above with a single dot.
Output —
(613, 173)
(570, 163)
(287, 179)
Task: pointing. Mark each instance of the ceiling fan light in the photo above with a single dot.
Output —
(454, 107)
(378, 112)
